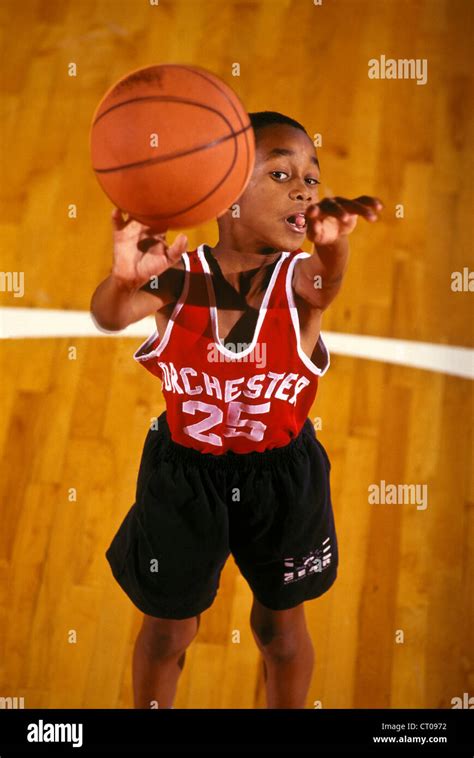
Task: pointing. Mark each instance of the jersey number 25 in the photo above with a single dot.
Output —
(233, 424)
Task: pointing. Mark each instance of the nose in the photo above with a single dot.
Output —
(301, 193)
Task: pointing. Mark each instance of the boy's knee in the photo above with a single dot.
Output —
(167, 638)
(278, 634)
(279, 647)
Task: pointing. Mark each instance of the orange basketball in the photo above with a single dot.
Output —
(172, 145)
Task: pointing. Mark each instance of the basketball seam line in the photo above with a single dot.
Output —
(172, 156)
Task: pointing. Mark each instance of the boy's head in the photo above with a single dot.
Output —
(283, 183)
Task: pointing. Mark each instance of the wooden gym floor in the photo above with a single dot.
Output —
(81, 423)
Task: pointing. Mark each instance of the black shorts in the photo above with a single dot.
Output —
(271, 510)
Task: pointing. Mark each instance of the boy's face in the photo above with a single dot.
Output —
(284, 183)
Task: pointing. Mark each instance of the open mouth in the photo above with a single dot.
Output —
(297, 223)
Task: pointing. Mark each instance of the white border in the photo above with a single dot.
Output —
(18, 323)
(296, 322)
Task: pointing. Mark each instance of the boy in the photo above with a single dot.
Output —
(235, 465)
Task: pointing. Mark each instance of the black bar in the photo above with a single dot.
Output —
(317, 732)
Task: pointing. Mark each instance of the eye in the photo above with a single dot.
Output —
(278, 172)
(280, 176)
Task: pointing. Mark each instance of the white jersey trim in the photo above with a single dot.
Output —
(213, 309)
(169, 326)
(296, 322)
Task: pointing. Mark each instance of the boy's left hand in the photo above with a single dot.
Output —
(335, 217)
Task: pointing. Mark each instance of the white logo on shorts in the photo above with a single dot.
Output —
(316, 560)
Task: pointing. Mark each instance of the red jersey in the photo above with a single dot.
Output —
(218, 399)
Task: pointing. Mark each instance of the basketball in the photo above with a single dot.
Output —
(172, 146)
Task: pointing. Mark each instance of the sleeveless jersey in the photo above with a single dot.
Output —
(218, 399)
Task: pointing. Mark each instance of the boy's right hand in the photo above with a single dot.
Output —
(139, 253)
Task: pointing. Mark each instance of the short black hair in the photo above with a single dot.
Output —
(268, 118)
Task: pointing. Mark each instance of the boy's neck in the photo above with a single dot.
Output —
(245, 272)
(237, 260)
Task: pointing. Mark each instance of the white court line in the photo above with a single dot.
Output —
(27, 323)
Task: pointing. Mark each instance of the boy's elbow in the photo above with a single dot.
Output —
(104, 325)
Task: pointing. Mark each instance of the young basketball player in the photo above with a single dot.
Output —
(234, 465)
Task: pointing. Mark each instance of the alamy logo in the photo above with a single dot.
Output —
(258, 355)
(12, 702)
(399, 494)
(400, 68)
(316, 561)
(41, 732)
(464, 702)
(13, 281)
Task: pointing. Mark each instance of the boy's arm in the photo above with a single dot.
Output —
(140, 257)
(114, 306)
(318, 279)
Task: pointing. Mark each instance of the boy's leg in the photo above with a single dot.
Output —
(158, 659)
(288, 655)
